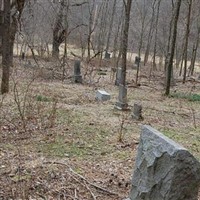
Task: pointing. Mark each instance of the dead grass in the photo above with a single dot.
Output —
(84, 137)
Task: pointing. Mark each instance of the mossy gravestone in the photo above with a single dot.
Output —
(164, 170)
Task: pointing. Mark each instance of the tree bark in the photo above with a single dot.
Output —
(150, 34)
(111, 25)
(194, 54)
(58, 32)
(8, 38)
(186, 40)
(124, 46)
(172, 46)
(156, 35)
(6, 50)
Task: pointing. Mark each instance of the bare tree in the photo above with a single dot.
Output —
(6, 44)
(189, 2)
(150, 34)
(59, 31)
(10, 25)
(172, 46)
(111, 25)
(127, 5)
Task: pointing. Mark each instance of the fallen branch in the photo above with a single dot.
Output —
(170, 112)
(83, 178)
(73, 54)
(85, 185)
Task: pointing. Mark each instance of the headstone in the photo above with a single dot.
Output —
(121, 104)
(102, 95)
(118, 76)
(137, 112)
(164, 170)
(107, 55)
(77, 72)
(23, 56)
(137, 60)
(102, 72)
(136, 63)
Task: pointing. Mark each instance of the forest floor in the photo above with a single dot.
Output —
(58, 142)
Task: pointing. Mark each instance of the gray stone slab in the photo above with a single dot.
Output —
(164, 170)
(77, 72)
(107, 55)
(102, 95)
(77, 68)
(121, 103)
(118, 76)
(137, 112)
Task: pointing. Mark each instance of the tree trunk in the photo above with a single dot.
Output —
(125, 40)
(156, 36)
(186, 40)
(58, 32)
(111, 25)
(150, 35)
(172, 46)
(194, 54)
(55, 50)
(6, 50)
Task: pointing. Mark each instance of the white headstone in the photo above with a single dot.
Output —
(102, 95)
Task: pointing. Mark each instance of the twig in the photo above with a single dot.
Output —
(170, 112)
(73, 54)
(41, 196)
(75, 194)
(92, 194)
(92, 184)
(194, 118)
(83, 178)
(85, 185)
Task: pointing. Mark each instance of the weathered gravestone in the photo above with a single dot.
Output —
(121, 104)
(107, 55)
(118, 76)
(137, 63)
(137, 112)
(77, 72)
(137, 60)
(23, 56)
(102, 95)
(164, 170)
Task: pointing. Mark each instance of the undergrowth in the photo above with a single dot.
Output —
(189, 97)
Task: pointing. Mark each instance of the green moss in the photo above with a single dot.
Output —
(189, 97)
(18, 178)
(42, 98)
